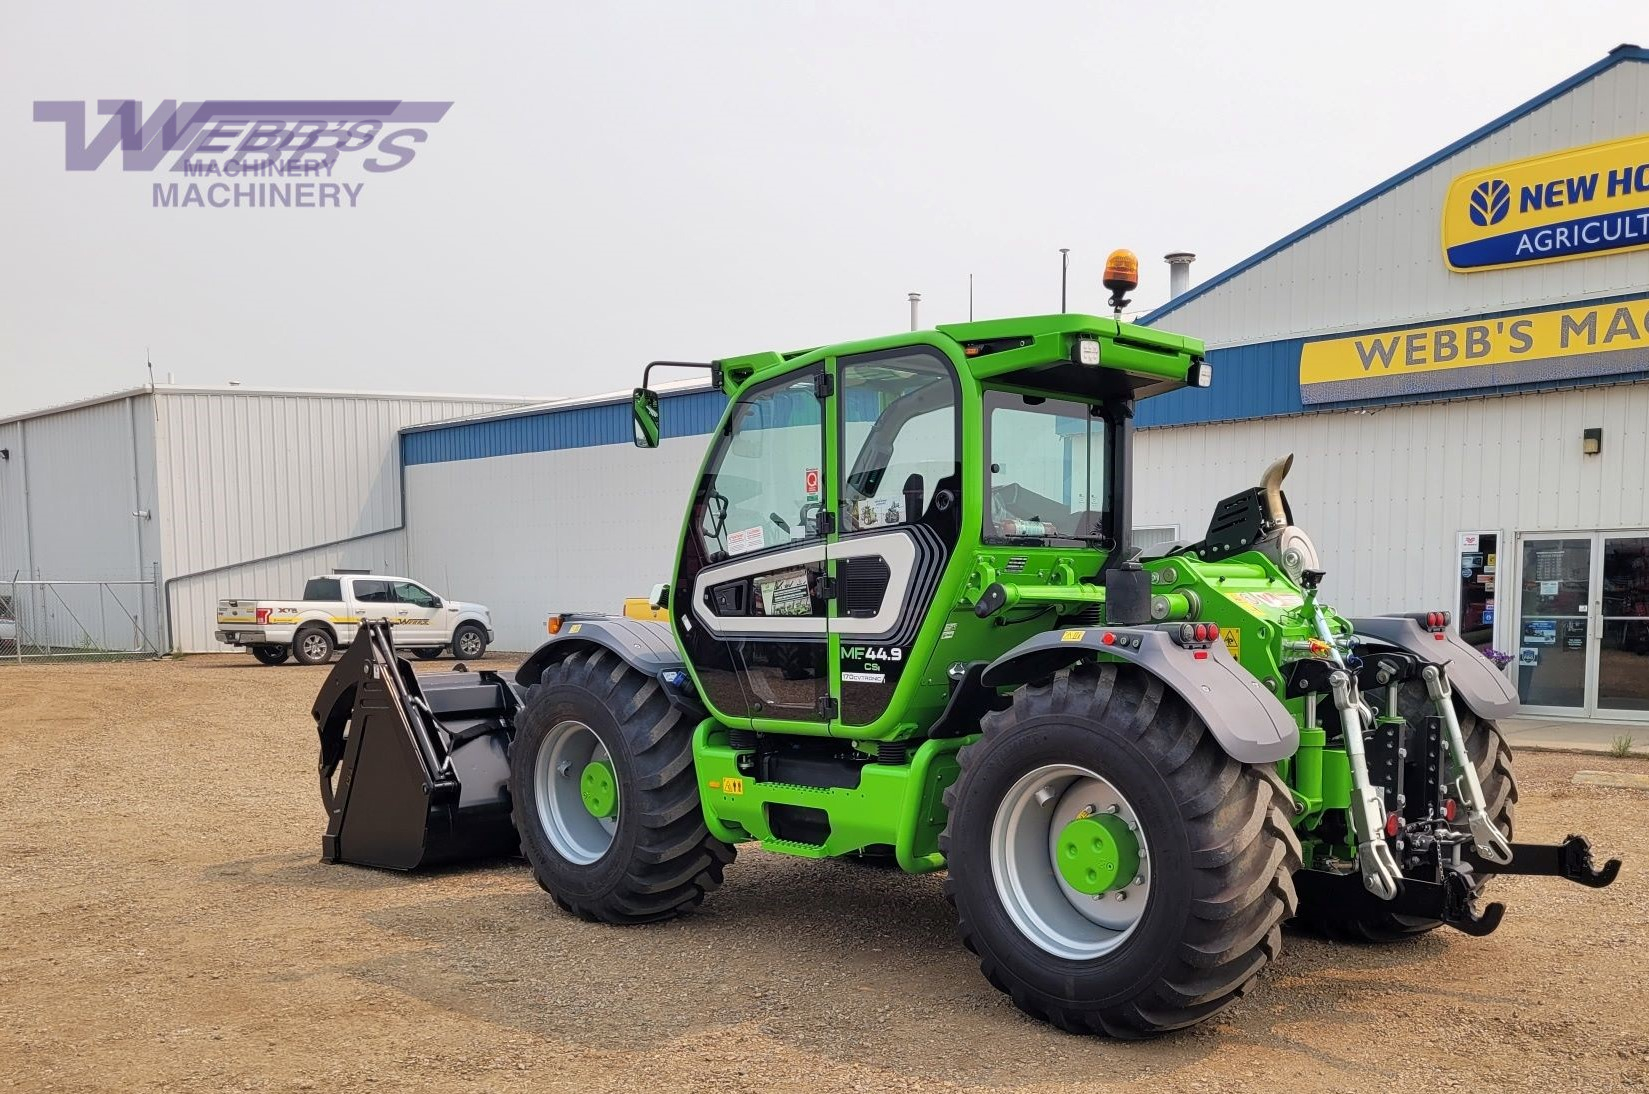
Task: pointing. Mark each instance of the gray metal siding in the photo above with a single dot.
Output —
(577, 529)
(1382, 263)
(256, 489)
(1385, 493)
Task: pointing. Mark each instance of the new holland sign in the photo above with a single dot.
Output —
(1571, 204)
(1555, 344)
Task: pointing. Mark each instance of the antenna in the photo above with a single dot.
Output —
(154, 404)
(1064, 275)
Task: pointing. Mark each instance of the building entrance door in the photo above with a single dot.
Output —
(1583, 624)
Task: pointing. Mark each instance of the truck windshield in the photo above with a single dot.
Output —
(1047, 477)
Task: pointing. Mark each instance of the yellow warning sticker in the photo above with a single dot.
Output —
(1233, 640)
(732, 785)
(1072, 636)
(575, 628)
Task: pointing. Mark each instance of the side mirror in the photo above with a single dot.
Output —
(644, 417)
(660, 596)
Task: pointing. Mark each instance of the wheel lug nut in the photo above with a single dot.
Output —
(1122, 895)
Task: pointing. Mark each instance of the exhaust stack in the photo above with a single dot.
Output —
(1179, 271)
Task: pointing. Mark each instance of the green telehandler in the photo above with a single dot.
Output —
(907, 625)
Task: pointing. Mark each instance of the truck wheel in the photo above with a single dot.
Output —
(605, 796)
(1114, 870)
(312, 646)
(270, 655)
(1489, 752)
(469, 642)
(426, 653)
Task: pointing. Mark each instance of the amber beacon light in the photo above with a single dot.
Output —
(1121, 277)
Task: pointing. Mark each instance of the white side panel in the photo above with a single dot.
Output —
(577, 529)
(255, 490)
(1382, 263)
(249, 476)
(195, 599)
(1385, 494)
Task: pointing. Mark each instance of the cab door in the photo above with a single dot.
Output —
(750, 597)
(900, 510)
(419, 619)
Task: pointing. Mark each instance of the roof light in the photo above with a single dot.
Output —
(1087, 351)
(1121, 271)
(1200, 374)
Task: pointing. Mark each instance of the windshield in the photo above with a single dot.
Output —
(1047, 477)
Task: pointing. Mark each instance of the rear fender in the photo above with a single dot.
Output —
(645, 646)
(1482, 687)
(1250, 723)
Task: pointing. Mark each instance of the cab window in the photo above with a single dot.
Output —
(372, 592)
(406, 592)
(322, 588)
(1046, 475)
(765, 488)
(899, 434)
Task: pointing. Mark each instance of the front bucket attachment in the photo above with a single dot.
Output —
(414, 770)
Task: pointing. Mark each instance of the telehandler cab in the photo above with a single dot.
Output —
(906, 623)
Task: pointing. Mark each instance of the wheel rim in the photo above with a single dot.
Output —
(469, 643)
(566, 800)
(314, 646)
(1061, 824)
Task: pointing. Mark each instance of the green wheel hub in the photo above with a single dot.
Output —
(1098, 854)
(599, 789)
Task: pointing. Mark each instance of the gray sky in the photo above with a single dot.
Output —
(691, 180)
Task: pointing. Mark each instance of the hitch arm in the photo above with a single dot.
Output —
(1571, 859)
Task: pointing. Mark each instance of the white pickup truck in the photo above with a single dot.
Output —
(310, 629)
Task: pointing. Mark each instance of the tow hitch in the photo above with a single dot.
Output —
(1452, 900)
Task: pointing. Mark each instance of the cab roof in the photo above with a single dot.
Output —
(1038, 351)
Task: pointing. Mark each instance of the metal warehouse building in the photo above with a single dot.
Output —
(1458, 358)
(124, 518)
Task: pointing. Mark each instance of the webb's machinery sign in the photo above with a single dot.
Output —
(1528, 347)
(1571, 204)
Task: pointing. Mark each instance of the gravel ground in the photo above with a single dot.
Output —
(165, 925)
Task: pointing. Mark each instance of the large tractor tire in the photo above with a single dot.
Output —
(605, 797)
(1114, 870)
(1493, 758)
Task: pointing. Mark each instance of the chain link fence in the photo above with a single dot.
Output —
(48, 620)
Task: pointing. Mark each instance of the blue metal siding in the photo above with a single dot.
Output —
(550, 430)
(1258, 381)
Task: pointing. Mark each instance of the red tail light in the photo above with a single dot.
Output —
(1392, 824)
(1213, 631)
(263, 616)
(1450, 809)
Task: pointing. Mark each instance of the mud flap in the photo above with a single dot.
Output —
(414, 771)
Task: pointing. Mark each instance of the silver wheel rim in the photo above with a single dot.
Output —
(1024, 838)
(576, 834)
(469, 643)
(314, 646)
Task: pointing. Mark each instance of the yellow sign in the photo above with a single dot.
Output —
(1550, 208)
(1233, 640)
(1072, 636)
(732, 785)
(1560, 344)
